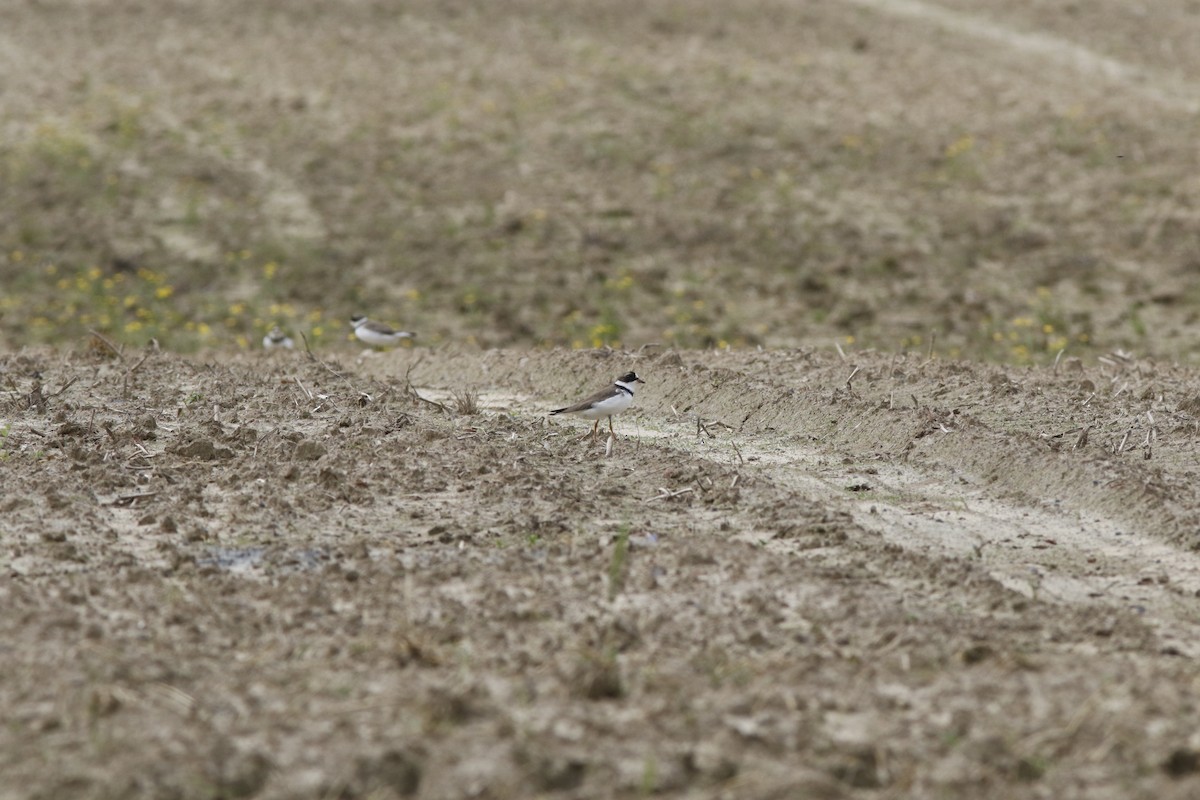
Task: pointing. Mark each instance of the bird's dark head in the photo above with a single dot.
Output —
(630, 377)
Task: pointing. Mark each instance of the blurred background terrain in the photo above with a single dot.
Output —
(1008, 182)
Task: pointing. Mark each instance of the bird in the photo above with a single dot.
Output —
(277, 338)
(605, 403)
(377, 334)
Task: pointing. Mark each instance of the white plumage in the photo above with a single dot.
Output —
(605, 403)
(277, 338)
(377, 334)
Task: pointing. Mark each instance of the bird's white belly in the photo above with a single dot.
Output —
(376, 338)
(606, 408)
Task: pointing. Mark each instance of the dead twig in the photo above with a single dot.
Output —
(1151, 437)
(440, 407)
(1058, 435)
(412, 392)
(1081, 442)
(262, 439)
(35, 398)
(104, 340)
(667, 494)
(65, 386)
(307, 393)
(130, 499)
(323, 399)
(411, 367)
(129, 373)
(330, 369)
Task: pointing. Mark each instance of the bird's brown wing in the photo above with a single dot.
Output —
(584, 405)
(379, 327)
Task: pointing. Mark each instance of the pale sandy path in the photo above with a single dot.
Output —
(1033, 544)
(1052, 50)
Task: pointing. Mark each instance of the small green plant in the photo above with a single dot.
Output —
(617, 566)
(960, 160)
(599, 675)
(1135, 320)
(1041, 330)
(649, 775)
(601, 323)
(132, 307)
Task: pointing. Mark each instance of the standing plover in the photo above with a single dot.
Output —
(377, 334)
(605, 403)
(277, 338)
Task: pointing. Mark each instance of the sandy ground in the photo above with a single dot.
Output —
(795, 575)
(907, 507)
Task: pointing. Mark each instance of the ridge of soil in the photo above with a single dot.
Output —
(395, 576)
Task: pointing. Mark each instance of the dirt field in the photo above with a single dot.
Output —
(795, 576)
(906, 508)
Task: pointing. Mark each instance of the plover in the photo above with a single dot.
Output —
(377, 334)
(277, 338)
(605, 403)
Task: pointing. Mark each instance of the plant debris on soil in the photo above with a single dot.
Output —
(272, 576)
(907, 507)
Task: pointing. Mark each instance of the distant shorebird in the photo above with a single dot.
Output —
(377, 334)
(606, 403)
(277, 338)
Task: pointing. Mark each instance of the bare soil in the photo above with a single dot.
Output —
(794, 575)
(908, 506)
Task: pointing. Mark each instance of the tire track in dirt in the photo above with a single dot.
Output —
(1044, 555)
(1061, 544)
(1054, 50)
